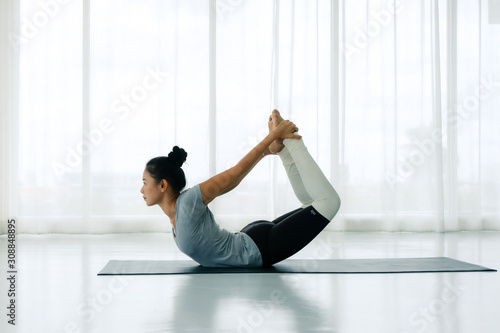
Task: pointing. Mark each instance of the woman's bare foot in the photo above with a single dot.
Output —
(274, 120)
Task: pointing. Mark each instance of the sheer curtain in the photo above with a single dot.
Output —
(397, 100)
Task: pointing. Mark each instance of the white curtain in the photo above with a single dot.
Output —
(399, 102)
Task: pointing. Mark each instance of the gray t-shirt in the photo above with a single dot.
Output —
(201, 238)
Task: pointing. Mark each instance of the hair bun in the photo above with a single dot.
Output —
(177, 156)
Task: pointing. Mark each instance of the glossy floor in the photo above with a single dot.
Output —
(58, 289)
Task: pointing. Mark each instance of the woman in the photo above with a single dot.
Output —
(261, 243)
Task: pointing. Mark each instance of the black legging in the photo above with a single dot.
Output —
(287, 235)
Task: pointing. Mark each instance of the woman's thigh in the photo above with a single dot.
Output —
(293, 233)
(287, 235)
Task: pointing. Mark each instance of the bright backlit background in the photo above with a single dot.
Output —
(397, 101)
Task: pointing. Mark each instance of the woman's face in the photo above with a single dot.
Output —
(150, 189)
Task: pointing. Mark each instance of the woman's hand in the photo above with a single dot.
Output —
(275, 120)
(286, 130)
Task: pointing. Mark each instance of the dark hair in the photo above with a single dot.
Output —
(169, 168)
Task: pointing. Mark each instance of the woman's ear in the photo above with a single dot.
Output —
(163, 185)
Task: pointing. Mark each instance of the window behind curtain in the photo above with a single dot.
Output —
(398, 77)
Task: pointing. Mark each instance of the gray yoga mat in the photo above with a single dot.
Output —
(331, 266)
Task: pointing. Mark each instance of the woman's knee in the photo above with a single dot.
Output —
(328, 206)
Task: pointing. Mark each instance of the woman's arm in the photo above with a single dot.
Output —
(229, 179)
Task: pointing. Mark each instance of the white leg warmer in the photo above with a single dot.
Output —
(294, 177)
(312, 180)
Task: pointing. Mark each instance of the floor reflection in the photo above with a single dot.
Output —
(245, 303)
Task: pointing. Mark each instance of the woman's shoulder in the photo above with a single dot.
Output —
(190, 196)
(190, 203)
(191, 192)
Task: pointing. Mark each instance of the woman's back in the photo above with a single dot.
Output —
(199, 236)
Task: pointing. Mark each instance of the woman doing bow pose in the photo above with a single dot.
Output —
(260, 243)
